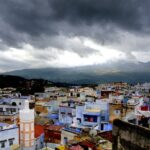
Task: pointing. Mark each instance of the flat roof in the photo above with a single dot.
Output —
(54, 128)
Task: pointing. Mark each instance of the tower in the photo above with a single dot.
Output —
(27, 127)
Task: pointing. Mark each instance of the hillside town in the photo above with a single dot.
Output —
(71, 118)
(74, 75)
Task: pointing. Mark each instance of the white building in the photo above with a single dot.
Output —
(9, 135)
(20, 101)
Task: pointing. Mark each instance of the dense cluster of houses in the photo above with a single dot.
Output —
(72, 118)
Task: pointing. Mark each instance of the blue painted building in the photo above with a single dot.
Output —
(67, 111)
(96, 114)
(9, 135)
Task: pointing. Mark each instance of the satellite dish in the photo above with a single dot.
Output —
(93, 132)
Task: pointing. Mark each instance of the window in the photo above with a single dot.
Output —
(7, 109)
(36, 147)
(13, 110)
(102, 118)
(65, 140)
(14, 104)
(78, 95)
(89, 118)
(69, 114)
(62, 112)
(79, 120)
(2, 144)
(10, 142)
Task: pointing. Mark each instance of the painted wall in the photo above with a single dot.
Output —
(7, 134)
(66, 136)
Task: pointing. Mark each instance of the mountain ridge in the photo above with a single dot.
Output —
(115, 72)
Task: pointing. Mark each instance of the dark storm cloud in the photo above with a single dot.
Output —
(28, 21)
(126, 14)
(52, 27)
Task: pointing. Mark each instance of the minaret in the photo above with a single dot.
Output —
(27, 127)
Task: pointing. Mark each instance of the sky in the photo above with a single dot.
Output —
(69, 33)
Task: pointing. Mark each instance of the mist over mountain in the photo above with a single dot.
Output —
(110, 72)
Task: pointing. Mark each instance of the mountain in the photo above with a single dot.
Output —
(25, 86)
(11, 81)
(110, 72)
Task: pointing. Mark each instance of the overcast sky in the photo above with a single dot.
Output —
(67, 33)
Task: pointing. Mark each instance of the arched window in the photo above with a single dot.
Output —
(14, 104)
